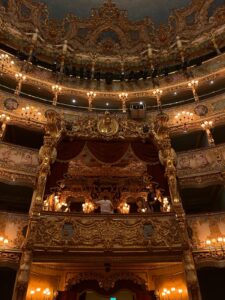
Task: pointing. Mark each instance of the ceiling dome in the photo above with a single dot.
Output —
(158, 11)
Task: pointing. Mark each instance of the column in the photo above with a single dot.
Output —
(47, 156)
(167, 157)
(23, 275)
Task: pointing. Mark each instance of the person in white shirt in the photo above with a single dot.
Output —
(106, 206)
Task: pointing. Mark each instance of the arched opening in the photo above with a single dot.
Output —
(93, 290)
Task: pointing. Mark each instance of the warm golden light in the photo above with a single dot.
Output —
(4, 118)
(30, 112)
(193, 83)
(20, 76)
(180, 291)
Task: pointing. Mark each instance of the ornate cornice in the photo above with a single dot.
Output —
(84, 35)
(43, 78)
(92, 233)
(18, 165)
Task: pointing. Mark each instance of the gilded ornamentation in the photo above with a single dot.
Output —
(105, 281)
(107, 126)
(108, 30)
(23, 276)
(106, 234)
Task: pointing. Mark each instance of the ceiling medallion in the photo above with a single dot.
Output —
(107, 126)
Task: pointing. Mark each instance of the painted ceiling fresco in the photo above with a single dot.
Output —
(157, 10)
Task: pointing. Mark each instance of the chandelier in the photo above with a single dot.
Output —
(183, 119)
(30, 113)
(5, 61)
(123, 97)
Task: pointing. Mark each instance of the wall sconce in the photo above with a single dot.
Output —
(184, 118)
(172, 294)
(158, 93)
(20, 77)
(56, 90)
(91, 96)
(193, 85)
(4, 119)
(123, 97)
(3, 241)
(207, 125)
(30, 113)
(39, 293)
(216, 247)
(5, 61)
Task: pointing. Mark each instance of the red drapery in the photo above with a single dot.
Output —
(106, 152)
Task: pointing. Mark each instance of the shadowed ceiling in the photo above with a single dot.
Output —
(157, 10)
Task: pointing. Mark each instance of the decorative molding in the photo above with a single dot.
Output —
(57, 232)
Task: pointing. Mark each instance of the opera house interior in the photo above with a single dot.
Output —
(112, 150)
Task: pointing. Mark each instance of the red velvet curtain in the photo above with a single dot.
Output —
(67, 149)
(108, 152)
(145, 151)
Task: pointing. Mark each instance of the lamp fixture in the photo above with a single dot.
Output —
(207, 126)
(5, 61)
(20, 77)
(3, 242)
(158, 94)
(216, 247)
(56, 90)
(183, 118)
(30, 113)
(91, 96)
(124, 208)
(193, 84)
(39, 292)
(172, 293)
(88, 207)
(4, 119)
(123, 97)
